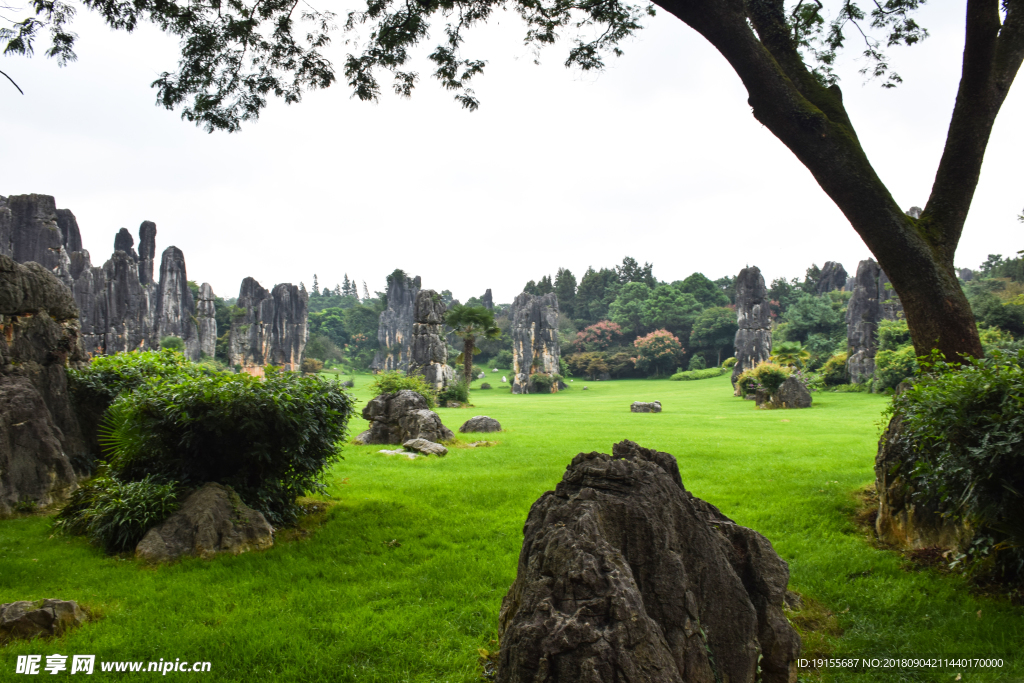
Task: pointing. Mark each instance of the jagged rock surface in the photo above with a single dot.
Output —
(534, 340)
(626, 576)
(206, 320)
(645, 407)
(425, 447)
(39, 434)
(25, 620)
(833, 277)
(791, 394)
(273, 330)
(147, 251)
(175, 307)
(428, 349)
(487, 300)
(30, 231)
(394, 330)
(480, 423)
(212, 520)
(871, 303)
(401, 416)
(753, 342)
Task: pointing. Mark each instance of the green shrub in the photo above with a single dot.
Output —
(833, 373)
(390, 382)
(503, 359)
(849, 388)
(456, 392)
(542, 382)
(172, 343)
(707, 373)
(270, 439)
(728, 363)
(696, 362)
(766, 376)
(964, 426)
(116, 514)
(486, 385)
(311, 366)
(892, 367)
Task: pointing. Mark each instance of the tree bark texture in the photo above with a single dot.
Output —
(810, 119)
(468, 347)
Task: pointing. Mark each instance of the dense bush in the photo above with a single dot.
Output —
(833, 373)
(696, 362)
(892, 367)
(542, 382)
(965, 426)
(311, 366)
(766, 376)
(454, 392)
(657, 352)
(728, 363)
(503, 359)
(116, 514)
(706, 373)
(271, 439)
(390, 382)
(172, 343)
(486, 385)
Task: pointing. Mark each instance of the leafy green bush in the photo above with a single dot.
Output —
(697, 362)
(765, 375)
(833, 373)
(706, 373)
(728, 363)
(390, 382)
(117, 514)
(965, 428)
(311, 366)
(271, 439)
(849, 388)
(503, 359)
(542, 382)
(892, 367)
(486, 385)
(172, 343)
(456, 392)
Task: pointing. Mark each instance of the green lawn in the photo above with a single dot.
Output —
(405, 579)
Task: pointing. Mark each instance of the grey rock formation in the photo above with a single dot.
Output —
(753, 342)
(273, 330)
(487, 300)
(398, 417)
(833, 277)
(792, 394)
(30, 230)
(534, 341)
(425, 447)
(206, 321)
(914, 212)
(70, 234)
(25, 620)
(39, 434)
(965, 274)
(212, 520)
(626, 576)
(394, 330)
(642, 407)
(175, 307)
(147, 251)
(871, 303)
(428, 349)
(123, 241)
(480, 423)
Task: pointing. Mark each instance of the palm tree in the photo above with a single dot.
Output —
(470, 323)
(789, 354)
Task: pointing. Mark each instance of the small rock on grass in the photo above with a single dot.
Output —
(426, 447)
(481, 444)
(27, 620)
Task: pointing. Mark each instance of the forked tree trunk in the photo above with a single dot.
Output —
(810, 119)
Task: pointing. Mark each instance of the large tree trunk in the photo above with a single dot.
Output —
(468, 346)
(810, 119)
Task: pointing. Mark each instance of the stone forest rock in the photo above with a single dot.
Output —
(120, 306)
(534, 341)
(394, 330)
(400, 416)
(39, 434)
(480, 423)
(212, 520)
(833, 277)
(428, 349)
(871, 303)
(792, 394)
(25, 620)
(487, 300)
(206, 321)
(273, 330)
(626, 576)
(425, 447)
(754, 337)
(641, 407)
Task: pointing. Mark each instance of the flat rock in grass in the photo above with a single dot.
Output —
(480, 423)
(424, 446)
(626, 576)
(51, 617)
(641, 407)
(212, 520)
(481, 444)
(410, 455)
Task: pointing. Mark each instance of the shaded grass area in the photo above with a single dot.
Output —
(404, 578)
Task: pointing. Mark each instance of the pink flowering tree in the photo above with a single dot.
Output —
(658, 352)
(598, 337)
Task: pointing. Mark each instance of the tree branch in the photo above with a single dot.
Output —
(12, 82)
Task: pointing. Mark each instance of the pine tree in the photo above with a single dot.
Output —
(316, 286)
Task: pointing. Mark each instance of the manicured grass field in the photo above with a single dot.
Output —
(404, 580)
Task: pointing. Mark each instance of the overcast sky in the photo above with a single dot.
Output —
(657, 158)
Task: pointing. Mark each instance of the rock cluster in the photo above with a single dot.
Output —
(534, 341)
(871, 303)
(120, 305)
(43, 618)
(833, 277)
(791, 394)
(480, 423)
(625, 575)
(272, 329)
(394, 330)
(39, 433)
(212, 520)
(641, 407)
(399, 417)
(753, 342)
(428, 349)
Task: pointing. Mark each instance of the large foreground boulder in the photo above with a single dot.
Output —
(626, 576)
(401, 416)
(212, 520)
(27, 620)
